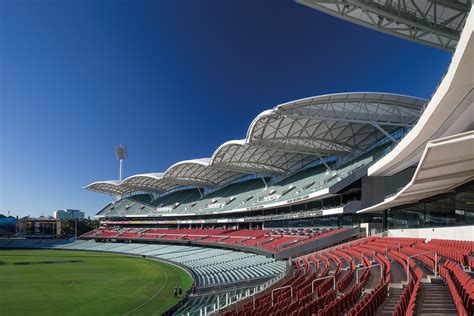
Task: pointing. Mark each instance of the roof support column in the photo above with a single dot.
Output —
(200, 193)
(385, 133)
(264, 182)
(324, 163)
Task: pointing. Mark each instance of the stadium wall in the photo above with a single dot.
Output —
(451, 233)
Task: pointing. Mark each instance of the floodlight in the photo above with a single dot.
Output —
(121, 154)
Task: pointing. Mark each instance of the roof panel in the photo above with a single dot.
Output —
(111, 187)
(198, 172)
(446, 164)
(434, 23)
(237, 155)
(150, 182)
(334, 124)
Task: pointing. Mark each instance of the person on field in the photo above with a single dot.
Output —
(180, 292)
(175, 292)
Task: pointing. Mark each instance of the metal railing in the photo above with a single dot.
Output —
(230, 300)
(420, 254)
(370, 267)
(323, 278)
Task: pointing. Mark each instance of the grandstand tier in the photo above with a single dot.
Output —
(372, 276)
(281, 243)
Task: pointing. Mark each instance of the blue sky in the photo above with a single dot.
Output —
(171, 80)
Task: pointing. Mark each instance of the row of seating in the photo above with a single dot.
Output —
(269, 240)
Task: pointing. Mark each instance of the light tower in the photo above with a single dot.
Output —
(121, 154)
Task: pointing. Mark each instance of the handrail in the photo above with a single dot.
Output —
(369, 267)
(420, 254)
(319, 279)
(281, 288)
(254, 291)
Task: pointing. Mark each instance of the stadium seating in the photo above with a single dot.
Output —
(357, 291)
(295, 295)
(248, 193)
(269, 240)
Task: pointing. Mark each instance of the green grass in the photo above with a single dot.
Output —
(102, 284)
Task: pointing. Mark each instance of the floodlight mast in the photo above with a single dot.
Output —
(121, 154)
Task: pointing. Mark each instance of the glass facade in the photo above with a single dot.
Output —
(453, 209)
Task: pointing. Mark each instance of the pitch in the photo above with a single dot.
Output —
(60, 282)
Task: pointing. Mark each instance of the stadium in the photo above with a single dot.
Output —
(353, 203)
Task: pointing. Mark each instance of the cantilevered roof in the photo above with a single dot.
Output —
(285, 139)
(150, 182)
(335, 124)
(199, 173)
(450, 110)
(446, 164)
(112, 187)
(436, 23)
(239, 156)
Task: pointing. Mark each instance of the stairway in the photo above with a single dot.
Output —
(390, 302)
(435, 299)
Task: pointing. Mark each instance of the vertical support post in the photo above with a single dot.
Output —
(324, 162)
(121, 169)
(369, 267)
(323, 278)
(280, 288)
(420, 254)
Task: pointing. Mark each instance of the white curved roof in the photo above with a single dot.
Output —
(199, 173)
(446, 164)
(335, 124)
(450, 110)
(153, 182)
(112, 187)
(435, 23)
(286, 138)
(240, 156)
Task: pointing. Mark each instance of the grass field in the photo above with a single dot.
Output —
(100, 284)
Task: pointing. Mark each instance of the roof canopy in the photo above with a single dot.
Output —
(238, 155)
(149, 182)
(199, 173)
(436, 23)
(112, 187)
(446, 164)
(336, 124)
(285, 139)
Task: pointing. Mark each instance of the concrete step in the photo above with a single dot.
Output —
(435, 299)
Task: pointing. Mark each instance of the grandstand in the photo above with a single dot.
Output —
(341, 204)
